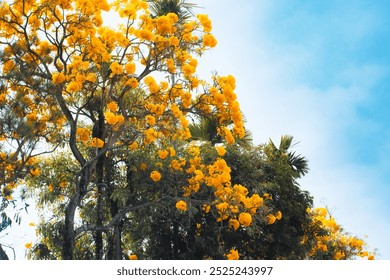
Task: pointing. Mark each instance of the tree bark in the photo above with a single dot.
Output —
(98, 131)
(69, 232)
(3, 255)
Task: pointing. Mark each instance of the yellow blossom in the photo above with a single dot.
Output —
(32, 117)
(133, 257)
(132, 82)
(339, 255)
(74, 86)
(209, 41)
(205, 22)
(267, 196)
(151, 120)
(134, 146)
(206, 208)
(221, 151)
(116, 68)
(130, 68)
(83, 133)
(271, 219)
(245, 219)
(97, 143)
(278, 215)
(155, 175)
(233, 255)
(222, 207)
(234, 224)
(172, 152)
(112, 106)
(162, 154)
(114, 119)
(171, 66)
(58, 78)
(181, 205)
(28, 245)
(35, 172)
(91, 77)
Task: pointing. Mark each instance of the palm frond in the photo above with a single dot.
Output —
(299, 164)
(179, 7)
(205, 130)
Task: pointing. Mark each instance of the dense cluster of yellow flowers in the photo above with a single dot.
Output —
(335, 243)
(232, 202)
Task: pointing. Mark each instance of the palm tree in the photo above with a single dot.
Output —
(180, 7)
(207, 130)
(297, 162)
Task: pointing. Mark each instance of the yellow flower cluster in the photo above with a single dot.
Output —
(343, 245)
(114, 119)
(83, 133)
(112, 106)
(97, 143)
(271, 218)
(181, 205)
(35, 172)
(220, 150)
(155, 175)
(205, 22)
(233, 255)
(232, 203)
(116, 69)
(58, 78)
(245, 219)
(165, 25)
(163, 154)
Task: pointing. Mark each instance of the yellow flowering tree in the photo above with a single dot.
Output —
(70, 82)
(326, 239)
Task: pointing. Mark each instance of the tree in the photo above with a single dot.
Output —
(95, 124)
(71, 83)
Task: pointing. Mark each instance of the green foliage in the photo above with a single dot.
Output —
(181, 8)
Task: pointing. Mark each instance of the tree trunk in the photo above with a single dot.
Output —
(69, 234)
(98, 131)
(100, 207)
(67, 247)
(115, 244)
(3, 255)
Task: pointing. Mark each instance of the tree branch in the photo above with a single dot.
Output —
(116, 219)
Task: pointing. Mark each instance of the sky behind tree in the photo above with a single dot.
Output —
(319, 71)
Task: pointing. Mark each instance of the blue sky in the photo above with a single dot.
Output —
(317, 70)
